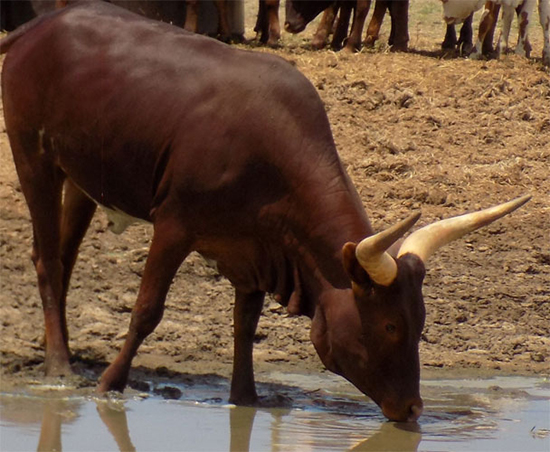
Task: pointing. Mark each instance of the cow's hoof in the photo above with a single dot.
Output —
(55, 368)
(244, 400)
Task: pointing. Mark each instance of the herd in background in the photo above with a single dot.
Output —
(342, 22)
(337, 14)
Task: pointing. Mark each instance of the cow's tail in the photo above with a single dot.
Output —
(12, 37)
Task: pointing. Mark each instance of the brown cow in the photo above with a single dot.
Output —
(229, 153)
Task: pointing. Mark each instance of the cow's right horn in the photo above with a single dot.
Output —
(371, 252)
(427, 240)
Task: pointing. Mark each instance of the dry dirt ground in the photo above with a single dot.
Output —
(415, 131)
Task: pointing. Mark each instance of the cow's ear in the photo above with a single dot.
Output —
(357, 273)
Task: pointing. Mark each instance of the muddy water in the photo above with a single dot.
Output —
(500, 414)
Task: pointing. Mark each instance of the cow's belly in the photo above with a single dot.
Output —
(456, 11)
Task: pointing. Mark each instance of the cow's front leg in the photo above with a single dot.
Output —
(169, 247)
(248, 307)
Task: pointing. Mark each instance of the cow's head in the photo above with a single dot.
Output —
(370, 336)
(299, 13)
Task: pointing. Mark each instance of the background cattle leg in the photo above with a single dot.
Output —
(268, 29)
(399, 35)
(544, 16)
(506, 21)
(169, 247)
(524, 12)
(262, 27)
(224, 29)
(325, 27)
(248, 307)
(272, 12)
(354, 40)
(42, 186)
(465, 41)
(373, 30)
(192, 16)
(449, 42)
(342, 25)
(487, 23)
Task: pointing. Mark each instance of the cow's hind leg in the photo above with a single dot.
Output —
(248, 307)
(78, 210)
(169, 247)
(42, 185)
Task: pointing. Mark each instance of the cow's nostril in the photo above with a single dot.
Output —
(415, 413)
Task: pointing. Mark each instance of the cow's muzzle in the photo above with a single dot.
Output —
(409, 411)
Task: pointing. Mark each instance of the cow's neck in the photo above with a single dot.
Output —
(316, 252)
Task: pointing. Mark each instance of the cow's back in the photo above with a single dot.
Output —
(99, 81)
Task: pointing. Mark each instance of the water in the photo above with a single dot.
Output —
(500, 414)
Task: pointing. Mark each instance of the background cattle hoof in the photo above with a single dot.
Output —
(399, 48)
(475, 55)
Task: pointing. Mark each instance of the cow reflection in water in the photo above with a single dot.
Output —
(56, 412)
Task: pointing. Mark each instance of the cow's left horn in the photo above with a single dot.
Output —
(371, 252)
(427, 240)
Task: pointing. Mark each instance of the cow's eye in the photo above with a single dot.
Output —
(390, 328)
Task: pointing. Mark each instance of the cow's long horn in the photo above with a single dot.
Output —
(371, 252)
(427, 240)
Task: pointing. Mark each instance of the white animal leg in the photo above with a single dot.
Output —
(544, 15)
(507, 16)
(524, 16)
(477, 52)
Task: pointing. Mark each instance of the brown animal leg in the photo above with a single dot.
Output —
(169, 247)
(42, 185)
(487, 23)
(342, 26)
(248, 307)
(373, 30)
(224, 30)
(78, 211)
(487, 48)
(399, 36)
(325, 27)
(192, 16)
(354, 39)
(272, 11)
(261, 27)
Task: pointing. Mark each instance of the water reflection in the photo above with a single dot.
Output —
(392, 437)
(55, 414)
(113, 415)
(484, 417)
(52, 418)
